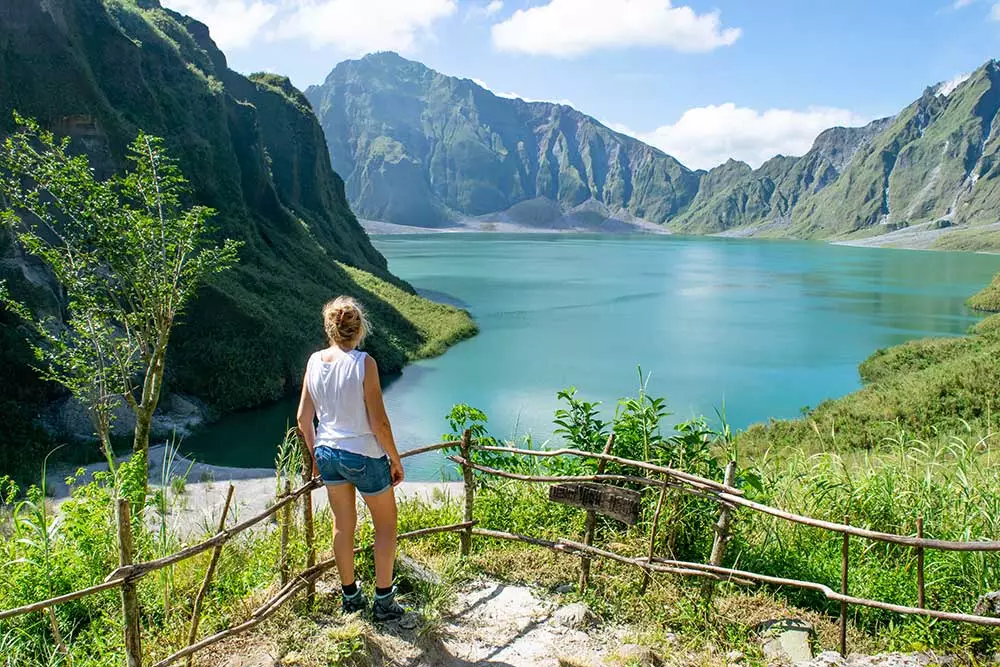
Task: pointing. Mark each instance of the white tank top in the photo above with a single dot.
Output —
(337, 389)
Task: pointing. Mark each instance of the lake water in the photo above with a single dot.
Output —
(761, 327)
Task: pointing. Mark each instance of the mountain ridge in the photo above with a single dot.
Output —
(420, 148)
(414, 144)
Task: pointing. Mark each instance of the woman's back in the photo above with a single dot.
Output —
(337, 388)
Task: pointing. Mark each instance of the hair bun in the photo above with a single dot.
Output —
(344, 321)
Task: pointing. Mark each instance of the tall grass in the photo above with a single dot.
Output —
(950, 481)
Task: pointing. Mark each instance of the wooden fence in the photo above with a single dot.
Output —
(725, 494)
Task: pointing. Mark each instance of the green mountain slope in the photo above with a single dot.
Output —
(421, 148)
(936, 161)
(762, 200)
(98, 71)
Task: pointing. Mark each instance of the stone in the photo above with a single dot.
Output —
(577, 616)
(415, 570)
(786, 641)
(563, 589)
(634, 654)
(988, 605)
(259, 659)
(734, 657)
(828, 659)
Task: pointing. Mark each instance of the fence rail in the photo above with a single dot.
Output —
(726, 495)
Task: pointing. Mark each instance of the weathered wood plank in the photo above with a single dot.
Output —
(613, 501)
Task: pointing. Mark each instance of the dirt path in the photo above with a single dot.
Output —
(490, 624)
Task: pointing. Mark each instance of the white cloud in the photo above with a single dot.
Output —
(518, 96)
(361, 26)
(705, 137)
(959, 4)
(948, 87)
(479, 12)
(568, 28)
(233, 23)
(995, 12)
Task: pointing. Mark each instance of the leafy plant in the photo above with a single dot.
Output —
(637, 424)
(130, 256)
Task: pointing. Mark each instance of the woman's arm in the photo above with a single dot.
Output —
(306, 420)
(379, 420)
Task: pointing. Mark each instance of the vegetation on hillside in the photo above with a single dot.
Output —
(129, 257)
(98, 71)
(989, 298)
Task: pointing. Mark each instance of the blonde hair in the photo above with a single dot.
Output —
(345, 322)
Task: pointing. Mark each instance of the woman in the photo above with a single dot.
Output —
(353, 448)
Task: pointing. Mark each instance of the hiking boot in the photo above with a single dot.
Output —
(385, 608)
(354, 603)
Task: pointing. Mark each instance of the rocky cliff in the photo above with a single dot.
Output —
(420, 148)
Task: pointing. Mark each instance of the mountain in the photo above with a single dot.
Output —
(98, 71)
(420, 148)
(758, 200)
(936, 161)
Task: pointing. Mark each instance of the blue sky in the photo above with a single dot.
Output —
(702, 79)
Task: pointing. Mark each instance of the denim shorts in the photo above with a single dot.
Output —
(337, 466)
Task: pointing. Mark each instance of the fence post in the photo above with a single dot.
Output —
(470, 492)
(845, 551)
(307, 518)
(646, 576)
(591, 523)
(130, 598)
(284, 567)
(216, 552)
(721, 539)
(921, 598)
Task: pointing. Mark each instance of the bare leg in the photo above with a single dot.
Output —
(345, 521)
(383, 509)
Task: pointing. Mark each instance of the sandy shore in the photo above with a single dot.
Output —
(196, 510)
(917, 237)
(499, 226)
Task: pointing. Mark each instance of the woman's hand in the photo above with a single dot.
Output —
(396, 471)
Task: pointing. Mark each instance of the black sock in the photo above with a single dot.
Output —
(382, 592)
(350, 589)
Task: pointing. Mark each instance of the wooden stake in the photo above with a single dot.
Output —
(845, 550)
(591, 522)
(216, 552)
(284, 566)
(307, 519)
(921, 597)
(470, 492)
(652, 539)
(130, 598)
(56, 634)
(721, 533)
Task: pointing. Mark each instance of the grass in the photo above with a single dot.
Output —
(969, 240)
(989, 298)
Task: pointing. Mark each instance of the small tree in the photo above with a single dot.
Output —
(130, 256)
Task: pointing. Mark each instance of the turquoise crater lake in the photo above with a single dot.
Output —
(763, 327)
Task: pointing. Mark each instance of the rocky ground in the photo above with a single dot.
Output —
(493, 624)
(917, 237)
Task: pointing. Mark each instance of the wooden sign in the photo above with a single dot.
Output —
(613, 501)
